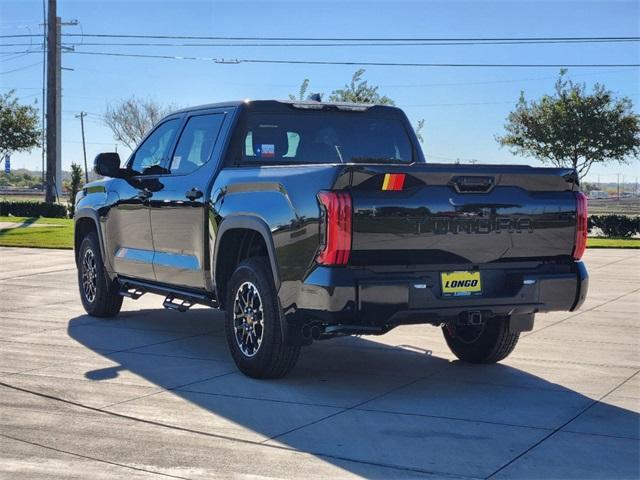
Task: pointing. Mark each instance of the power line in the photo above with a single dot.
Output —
(332, 44)
(343, 39)
(346, 39)
(13, 57)
(512, 80)
(21, 68)
(6, 54)
(354, 63)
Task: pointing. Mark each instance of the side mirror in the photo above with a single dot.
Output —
(108, 165)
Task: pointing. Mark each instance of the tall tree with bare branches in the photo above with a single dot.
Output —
(131, 119)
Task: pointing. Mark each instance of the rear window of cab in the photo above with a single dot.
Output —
(319, 137)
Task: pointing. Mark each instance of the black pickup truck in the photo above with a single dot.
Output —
(309, 220)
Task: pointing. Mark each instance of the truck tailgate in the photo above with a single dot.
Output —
(437, 214)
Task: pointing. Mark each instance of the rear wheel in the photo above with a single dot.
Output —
(489, 342)
(253, 323)
(99, 294)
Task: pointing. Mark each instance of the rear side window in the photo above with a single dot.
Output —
(321, 137)
(196, 143)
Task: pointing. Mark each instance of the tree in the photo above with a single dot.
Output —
(131, 119)
(18, 125)
(359, 91)
(74, 185)
(302, 94)
(587, 187)
(574, 128)
(356, 91)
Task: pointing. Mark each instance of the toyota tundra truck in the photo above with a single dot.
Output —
(305, 221)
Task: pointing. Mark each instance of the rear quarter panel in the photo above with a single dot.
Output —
(284, 198)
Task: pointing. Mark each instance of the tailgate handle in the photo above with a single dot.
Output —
(472, 184)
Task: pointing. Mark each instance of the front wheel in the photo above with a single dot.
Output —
(99, 294)
(489, 342)
(252, 324)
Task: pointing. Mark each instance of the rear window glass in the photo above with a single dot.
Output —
(320, 137)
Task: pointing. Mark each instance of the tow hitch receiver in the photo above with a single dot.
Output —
(473, 318)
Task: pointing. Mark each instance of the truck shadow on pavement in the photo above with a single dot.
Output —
(361, 404)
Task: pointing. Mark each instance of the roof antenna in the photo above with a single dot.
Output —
(315, 97)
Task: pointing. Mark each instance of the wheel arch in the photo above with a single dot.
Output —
(244, 234)
(86, 221)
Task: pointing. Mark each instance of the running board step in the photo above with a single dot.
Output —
(175, 299)
(132, 293)
(175, 303)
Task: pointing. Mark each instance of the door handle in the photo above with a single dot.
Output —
(144, 194)
(193, 194)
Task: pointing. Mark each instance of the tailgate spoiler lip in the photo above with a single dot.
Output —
(438, 174)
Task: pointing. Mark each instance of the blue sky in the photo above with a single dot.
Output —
(463, 108)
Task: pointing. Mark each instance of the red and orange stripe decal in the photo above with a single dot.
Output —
(393, 181)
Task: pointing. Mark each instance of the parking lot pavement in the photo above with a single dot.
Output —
(154, 392)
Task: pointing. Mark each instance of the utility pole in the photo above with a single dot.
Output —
(618, 185)
(54, 102)
(84, 148)
(43, 106)
(53, 52)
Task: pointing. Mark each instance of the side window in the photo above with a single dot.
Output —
(196, 143)
(154, 151)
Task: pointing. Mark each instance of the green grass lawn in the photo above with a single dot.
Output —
(60, 236)
(613, 243)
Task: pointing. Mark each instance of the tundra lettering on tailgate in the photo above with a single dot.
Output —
(442, 225)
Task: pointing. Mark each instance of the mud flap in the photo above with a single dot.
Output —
(521, 322)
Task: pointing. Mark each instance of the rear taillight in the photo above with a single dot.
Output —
(581, 226)
(337, 228)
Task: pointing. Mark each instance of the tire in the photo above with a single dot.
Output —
(487, 344)
(253, 317)
(99, 294)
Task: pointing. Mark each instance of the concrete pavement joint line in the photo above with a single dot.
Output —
(259, 399)
(166, 355)
(229, 438)
(94, 459)
(38, 273)
(30, 370)
(102, 323)
(605, 435)
(30, 307)
(103, 352)
(14, 342)
(581, 340)
(612, 263)
(84, 380)
(376, 397)
(457, 419)
(42, 330)
(163, 390)
(556, 430)
(579, 364)
(581, 312)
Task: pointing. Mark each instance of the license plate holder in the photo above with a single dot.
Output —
(461, 283)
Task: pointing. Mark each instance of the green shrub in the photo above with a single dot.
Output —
(33, 209)
(620, 226)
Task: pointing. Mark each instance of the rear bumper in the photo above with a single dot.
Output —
(342, 296)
